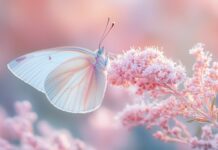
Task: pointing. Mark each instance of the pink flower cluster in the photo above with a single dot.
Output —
(146, 69)
(170, 99)
(19, 129)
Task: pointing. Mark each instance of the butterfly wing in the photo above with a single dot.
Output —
(77, 85)
(33, 68)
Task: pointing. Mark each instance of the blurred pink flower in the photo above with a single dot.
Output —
(168, 95)
(20, 128)
(103, 130)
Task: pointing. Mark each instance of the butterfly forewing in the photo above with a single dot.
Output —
(33, 68)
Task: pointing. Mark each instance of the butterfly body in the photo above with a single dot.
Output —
(74, 79)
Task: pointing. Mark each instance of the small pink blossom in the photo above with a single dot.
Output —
(132, 115)
(206, 132)
(160, 135)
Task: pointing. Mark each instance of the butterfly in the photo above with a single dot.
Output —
(74, 79)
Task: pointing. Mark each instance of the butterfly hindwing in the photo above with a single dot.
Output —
(76, 85)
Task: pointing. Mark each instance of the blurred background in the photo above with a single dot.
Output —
(29, 25)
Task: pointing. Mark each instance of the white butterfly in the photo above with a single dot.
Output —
(74, 79)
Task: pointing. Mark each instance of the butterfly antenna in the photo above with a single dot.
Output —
(105, 29)
(106, 32)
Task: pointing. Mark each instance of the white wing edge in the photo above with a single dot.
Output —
(9, 68)
(81, 112)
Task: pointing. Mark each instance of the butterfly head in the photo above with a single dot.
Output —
(101, 58)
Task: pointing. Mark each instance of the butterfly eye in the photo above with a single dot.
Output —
(100, 51)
